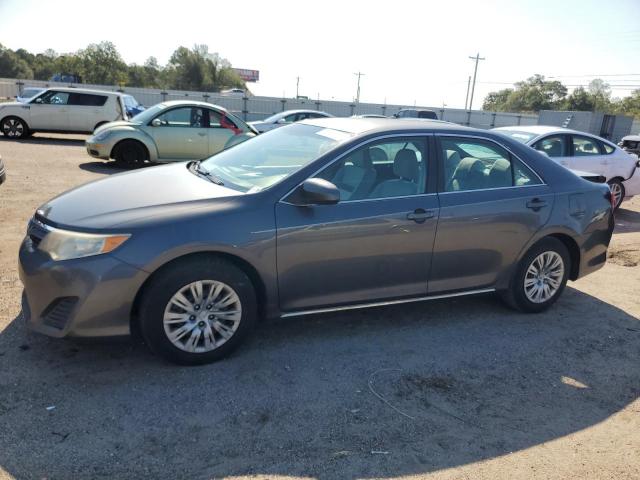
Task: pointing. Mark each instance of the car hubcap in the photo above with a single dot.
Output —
(544, 277)
(12, 128)
(202, 316)
(616, 191)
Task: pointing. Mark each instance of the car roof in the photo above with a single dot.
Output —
(360, 126)
(546, 129)
(83, 90)
(287, 112)
(191, 103)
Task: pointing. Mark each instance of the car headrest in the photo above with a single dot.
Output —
(500, 174)
(360, 159)
(378, 155)
(405, 165)
(469, 174)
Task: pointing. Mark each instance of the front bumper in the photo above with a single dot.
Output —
(85, 297)
(98, 150)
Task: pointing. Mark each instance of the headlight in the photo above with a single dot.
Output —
(102, 136)
(64, 245)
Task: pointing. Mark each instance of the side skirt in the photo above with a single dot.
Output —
(385, 303)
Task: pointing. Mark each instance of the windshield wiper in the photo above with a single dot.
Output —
(194, 166)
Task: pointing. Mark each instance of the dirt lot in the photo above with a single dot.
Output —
(462, 388)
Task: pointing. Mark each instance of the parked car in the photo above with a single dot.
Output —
(67, 110)
(168, 132)
(132, 106)
(630, 144)
(416, 113)
(583, 151)
(234, 92)
(286, 117)
(3, 172)
(369, 115)
(318, 216)
(28, 93)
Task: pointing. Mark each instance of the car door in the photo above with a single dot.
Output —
(491, 204)
(221, 129)
(587, 156)
(85, 111)
(181, 134)
(375, 244)
(50, 111)
(555, 147)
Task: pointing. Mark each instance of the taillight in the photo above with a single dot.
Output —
(609, 196)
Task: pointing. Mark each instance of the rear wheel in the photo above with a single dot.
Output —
(617, 191)
(14, 128)
(540, 277)
(130, 153)
(198, 310)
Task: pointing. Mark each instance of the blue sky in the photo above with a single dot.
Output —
(410, 50)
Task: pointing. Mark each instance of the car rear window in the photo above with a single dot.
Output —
(87, 100)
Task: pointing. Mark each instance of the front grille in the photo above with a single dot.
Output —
(57, 313)
(36, 231)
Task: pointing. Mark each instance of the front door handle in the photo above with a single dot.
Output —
(419, 215)
(536, 204)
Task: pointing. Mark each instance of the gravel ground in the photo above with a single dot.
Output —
(462, 388)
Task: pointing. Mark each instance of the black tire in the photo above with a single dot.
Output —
(130, 153)
(617, 185)
(172, 279)
(14, 128)
(516, 296)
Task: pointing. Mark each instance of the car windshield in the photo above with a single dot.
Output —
(519, 135)
(147, 115)
(267, 159)
(30, 92)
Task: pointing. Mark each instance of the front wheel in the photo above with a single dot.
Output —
(130, 153)
(617, 191)
(540, 277)
(198, 310)
(14, 128)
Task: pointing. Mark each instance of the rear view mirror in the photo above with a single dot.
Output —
(156, 122)
(315, 191)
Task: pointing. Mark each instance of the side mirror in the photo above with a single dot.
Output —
(282, 121)
(315, 191)
(156, 122)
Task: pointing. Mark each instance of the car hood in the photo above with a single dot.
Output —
(11, 104)
(134, 198)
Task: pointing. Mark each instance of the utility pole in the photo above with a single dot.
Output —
(466, 99)
(297, 86)
(475, 72)
(359, 74)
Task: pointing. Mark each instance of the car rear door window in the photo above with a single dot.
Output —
(585, 146)
(553, 146)
(87, 100)
(474, 164)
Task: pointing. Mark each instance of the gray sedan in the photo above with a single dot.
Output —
(319, 216)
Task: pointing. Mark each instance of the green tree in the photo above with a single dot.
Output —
(600, 92)
(532, 95)
(12, 65)
(579, 100)
(631, 105)
(101, 63)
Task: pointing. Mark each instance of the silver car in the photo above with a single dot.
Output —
(169, 132)
(287, 117)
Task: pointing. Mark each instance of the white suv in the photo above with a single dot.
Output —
(68, 110)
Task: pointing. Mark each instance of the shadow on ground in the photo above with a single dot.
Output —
(43, 139)
(465, 380)
(110, 167)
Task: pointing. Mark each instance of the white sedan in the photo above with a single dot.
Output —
(582, 151)
(285, 118)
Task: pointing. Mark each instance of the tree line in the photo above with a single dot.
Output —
(101, 63)
(536, 93)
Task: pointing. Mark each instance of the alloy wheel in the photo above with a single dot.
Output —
(616, 191)
(544, 277)
(202, 316)
(13, 128)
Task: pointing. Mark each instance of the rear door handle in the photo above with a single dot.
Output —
(419, 215)
(536, 204)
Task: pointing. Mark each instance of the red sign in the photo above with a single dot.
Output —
(248, 75)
